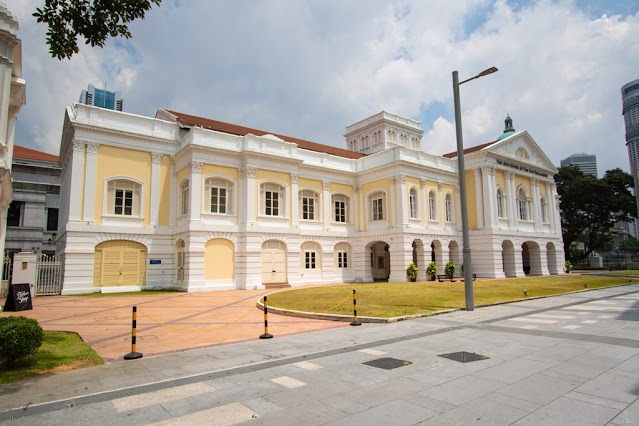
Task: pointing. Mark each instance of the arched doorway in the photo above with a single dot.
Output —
(508, 258)
(419, 259)
(531, 258)
(551, 258)
(380, 261)
(273, 262)
(436, 255)
(219, 259)
(119, 263)
(454, 255)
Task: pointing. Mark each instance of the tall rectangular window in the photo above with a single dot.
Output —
(310, 259)
(218, 200)
(272, 203)
(123, 202)
(52, 219)
(14, 214)
(378, 209)
(342, 259)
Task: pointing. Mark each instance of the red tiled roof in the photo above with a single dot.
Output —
(219, 126)
(32, 154)
(469, 150)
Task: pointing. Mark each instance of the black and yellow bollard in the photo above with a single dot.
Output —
(133, 354)
(355, 322)
(266, 335)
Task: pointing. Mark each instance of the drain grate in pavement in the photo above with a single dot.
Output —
(387, 363)
(464, 356)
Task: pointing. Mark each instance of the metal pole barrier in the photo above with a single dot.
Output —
(133, 354)
(355, 322)
(266, 335)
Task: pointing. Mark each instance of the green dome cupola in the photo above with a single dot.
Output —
(508, 129)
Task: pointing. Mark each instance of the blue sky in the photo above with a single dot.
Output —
(309, 68)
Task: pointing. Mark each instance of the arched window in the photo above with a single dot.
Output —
(449, 208)
(432, 206)
(184, 197)
(341, 204)
(522, 153)
(124, 198)
(544, 210)
(501, 206)
(311, 255)
(309, 205)
(412, 202)
(343, 255)
(376, 206)
(273, 200)
(219, 194)
(523, 204)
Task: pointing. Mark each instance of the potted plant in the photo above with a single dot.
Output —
(568, 265)
(411, 271)
(432, 271)
(450, 269)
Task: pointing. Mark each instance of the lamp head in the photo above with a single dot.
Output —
(488, 71)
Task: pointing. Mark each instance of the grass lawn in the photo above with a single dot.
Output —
(60, 351)
(388, 300)
(630, 272)
(129, 293)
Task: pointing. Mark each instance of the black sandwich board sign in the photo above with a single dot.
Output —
(19, 298)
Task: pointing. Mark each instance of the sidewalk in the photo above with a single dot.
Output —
(570, 359)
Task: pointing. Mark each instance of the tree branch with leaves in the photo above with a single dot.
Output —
(95, 20)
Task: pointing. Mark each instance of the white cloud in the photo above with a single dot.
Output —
(308, 69)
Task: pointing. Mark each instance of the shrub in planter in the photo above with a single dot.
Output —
(411, 271)
(450, 269)
(431, 270)
(19, 337)
(568, 265)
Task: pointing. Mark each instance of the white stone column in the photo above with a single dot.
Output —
(250, 195)
(490, 216)
(402, 200)
(326, 203)
(536, 205)
(295, 202)
(172, 196)
(401, 254)
(442, 205)
(356, 209)
(89, 181)
(513, 219)
(75, 196)
(156, 163)
(556, 209)
(550, 205)
(391, 200)
(424, 203)
(479, 199)
(195, 190)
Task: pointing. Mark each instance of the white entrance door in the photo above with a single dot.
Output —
(273, 262)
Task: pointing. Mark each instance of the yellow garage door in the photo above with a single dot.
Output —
(119, 263)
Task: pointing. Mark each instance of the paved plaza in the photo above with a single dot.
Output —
(570, 359)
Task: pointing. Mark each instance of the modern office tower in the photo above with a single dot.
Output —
(587, 163)
(102, 98)
(630, 99)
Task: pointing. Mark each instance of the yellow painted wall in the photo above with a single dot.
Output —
(340, 187)
(219, 259)
(521, 180)
(369, 188)
(310, 183)
(114, 161)
(165, 191)
(270, 175)
(543, 189)
(471, 199)
(500, 179)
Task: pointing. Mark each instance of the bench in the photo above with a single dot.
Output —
(474, 278)
(442, 278)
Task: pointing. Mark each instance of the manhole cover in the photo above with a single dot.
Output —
(464, 356)
(387, 363)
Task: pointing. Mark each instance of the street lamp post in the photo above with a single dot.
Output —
(468, 269)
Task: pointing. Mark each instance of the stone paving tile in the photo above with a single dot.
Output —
(427, 402)
(513, 371)
(569, 411)
(179, 407)
(591, 399)
(612, 386)
(462, 390)
(584, 366)
(295, 416)
(628, 416)
(511, 401)
(230, 414)
(540, 388)
(397, 412)
(289, 399)
(160, 396)
(631, 364)
(288, 382)
(262, 406)
(386, 391)
(478, 412)
(344, 404)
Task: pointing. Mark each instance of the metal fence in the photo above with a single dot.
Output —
(48, 275)
(7, 271)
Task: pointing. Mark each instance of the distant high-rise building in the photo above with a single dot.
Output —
(630, 102)
(587, 163)
(102, 98)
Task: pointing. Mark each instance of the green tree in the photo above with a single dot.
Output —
(95, 20)
(590, 207)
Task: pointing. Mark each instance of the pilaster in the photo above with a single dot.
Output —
(479, 199)
(89, 181)
(392, 201)
(195, 189)
(77, 168)
(156, 162)
(295, 204)
(402, 200)
(326, 203)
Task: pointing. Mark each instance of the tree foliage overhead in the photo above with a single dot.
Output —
(95, 20)
(590, 207)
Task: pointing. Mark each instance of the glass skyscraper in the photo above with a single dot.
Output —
(102, 98)
(630, 99)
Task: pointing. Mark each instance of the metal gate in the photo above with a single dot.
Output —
(48, 275)
(7, 271)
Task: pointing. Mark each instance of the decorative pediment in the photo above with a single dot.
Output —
(522, 148)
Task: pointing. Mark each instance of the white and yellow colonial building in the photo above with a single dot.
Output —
(183, 202)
